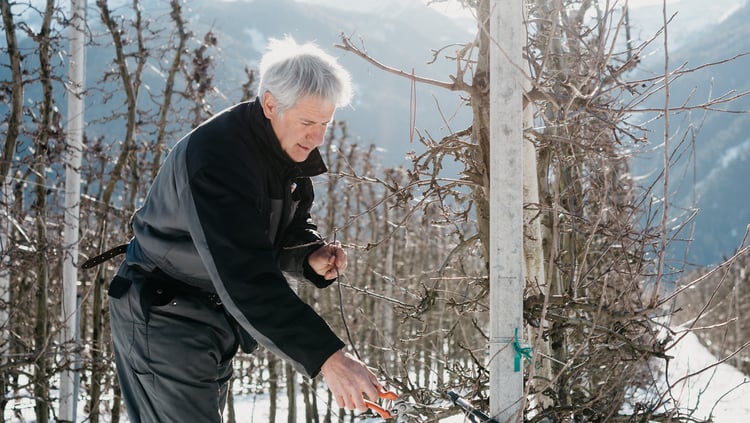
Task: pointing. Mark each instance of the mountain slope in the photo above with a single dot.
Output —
(402, 38)
(721, 137)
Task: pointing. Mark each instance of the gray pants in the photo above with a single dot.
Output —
(174, 366)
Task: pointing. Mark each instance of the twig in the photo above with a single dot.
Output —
(457, 85)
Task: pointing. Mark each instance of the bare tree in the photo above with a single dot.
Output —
(14, 121)
(415, 296)
(589, 309)
(31, 167)
(714, 304)
(47, 128)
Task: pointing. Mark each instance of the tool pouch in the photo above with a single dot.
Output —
(155, 292)
(119, 287)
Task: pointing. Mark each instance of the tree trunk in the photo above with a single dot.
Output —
(41, 159)
(329, 407)
(480, 100)
(41, 329)
(540, 373)
(273, 385)
(308, 396)
(131, 83)
(13, 128)
(291, 393)
(12, 131)
(97, 346)
(116, 402)
(231, 414)
(183, 36)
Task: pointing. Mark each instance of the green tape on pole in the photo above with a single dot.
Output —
(520, 353)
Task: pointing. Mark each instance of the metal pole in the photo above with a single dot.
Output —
(506, 208)
(74, 147)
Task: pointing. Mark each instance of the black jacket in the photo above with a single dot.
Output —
(225, 214)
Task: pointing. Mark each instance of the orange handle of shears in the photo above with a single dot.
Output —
(378, 409)
(386, 414)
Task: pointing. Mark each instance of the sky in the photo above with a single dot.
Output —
(687, 18)
(691, 14)
(454, 6)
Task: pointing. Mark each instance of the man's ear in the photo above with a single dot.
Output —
(269, 105)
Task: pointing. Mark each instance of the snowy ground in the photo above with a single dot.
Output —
(721, 394)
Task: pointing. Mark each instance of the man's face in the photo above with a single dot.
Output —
(301, 128)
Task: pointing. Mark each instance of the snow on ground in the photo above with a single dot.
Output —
(721, 394)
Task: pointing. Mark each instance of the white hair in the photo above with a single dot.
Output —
(290, 71)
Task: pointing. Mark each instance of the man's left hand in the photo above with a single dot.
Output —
(328, 261)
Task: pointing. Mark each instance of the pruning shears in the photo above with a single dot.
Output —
(473, 414)
(393, 407)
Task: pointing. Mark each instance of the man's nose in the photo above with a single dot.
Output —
(317, 135)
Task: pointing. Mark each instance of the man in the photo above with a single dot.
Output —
(227, 213)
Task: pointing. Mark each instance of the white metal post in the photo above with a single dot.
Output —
(506, 207)
(74, 147)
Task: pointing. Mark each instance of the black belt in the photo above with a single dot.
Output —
(107, 255)
(163, 288)
(164, 284)
(160, 289)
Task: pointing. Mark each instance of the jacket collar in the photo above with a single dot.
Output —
(312, 166)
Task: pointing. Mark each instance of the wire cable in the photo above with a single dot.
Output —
(341, 305)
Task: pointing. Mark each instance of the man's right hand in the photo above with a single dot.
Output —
(348, 379)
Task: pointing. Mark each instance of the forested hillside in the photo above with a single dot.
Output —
(708, 137)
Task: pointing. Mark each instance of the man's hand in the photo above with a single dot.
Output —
(348, 379)
(328, 261)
